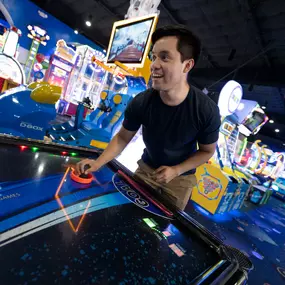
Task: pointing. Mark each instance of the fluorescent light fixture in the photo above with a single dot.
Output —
(277, 130)
(271, 121)
(263, 107)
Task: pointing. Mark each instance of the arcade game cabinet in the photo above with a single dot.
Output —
(61, 65)
(57, 227)
(221, 185)
(87, 80)
(125, 78)
(11, 71)
(27, 111)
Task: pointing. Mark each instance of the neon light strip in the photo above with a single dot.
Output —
(63, 208)
(61, 182)
(69, 219)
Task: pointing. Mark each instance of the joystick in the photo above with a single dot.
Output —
(82, 178)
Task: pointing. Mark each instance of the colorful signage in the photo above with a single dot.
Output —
(230, 98)
(65, 52)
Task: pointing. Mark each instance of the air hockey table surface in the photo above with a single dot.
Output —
(54, 230)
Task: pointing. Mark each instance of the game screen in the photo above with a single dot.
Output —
(255, 120)
(129, 42)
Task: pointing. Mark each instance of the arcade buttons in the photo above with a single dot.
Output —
(82, 178)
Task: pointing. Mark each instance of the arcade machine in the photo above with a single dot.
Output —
(266, 153)
(268, 173)
(222, 186)
(125, 79)
(11, 71)
(4, 26)
(251, 157)
(219, 189)
(253, 120)
(87, 80)
(278, 186)
(247, 120)
(274, 165)
(61, 65)
(39, 37)
(101, 228)
(27, 111)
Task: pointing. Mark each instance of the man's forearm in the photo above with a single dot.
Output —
(114, 148)
(198, 158)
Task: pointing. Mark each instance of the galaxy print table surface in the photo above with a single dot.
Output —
(54, 230)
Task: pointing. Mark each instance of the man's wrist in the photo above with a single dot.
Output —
(178, 169)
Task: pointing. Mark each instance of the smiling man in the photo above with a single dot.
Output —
(175, 119)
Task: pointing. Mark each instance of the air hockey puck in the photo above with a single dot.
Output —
(83, 178)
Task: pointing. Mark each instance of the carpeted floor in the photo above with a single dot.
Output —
(258, 231)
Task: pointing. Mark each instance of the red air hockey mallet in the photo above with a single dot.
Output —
(82, 178)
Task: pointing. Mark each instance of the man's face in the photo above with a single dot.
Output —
(167, 69)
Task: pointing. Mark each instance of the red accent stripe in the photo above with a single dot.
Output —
(145, 194)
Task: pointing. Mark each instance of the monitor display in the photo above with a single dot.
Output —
(130, 41)
(256, 119)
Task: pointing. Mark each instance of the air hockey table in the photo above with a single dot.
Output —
(113, 230)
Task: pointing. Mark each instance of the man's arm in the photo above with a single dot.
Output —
(114, 148)
(165, 174)
(201, 156)
(116, 145)
(131, 125)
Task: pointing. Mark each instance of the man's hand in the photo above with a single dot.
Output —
(165, 174)
(79, 167)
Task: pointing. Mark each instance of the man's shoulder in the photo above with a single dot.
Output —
(203, 101)
(143, 97)
(201, 96)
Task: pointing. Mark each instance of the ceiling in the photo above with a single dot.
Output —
(241, 39)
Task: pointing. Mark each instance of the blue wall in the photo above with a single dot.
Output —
(24, 13)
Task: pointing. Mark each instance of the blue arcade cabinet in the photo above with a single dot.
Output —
(99, 129)
(27, 112)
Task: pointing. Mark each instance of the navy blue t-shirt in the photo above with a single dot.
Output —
(171, 133)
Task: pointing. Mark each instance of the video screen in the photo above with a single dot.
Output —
(129, 42)
(254, 120)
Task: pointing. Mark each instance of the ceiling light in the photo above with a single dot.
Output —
(104, 50)
(277, 130)
(284, 144)
(263, 107)
(271, 121)
(76, 32)
(89, 21)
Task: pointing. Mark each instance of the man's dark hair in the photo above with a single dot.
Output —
(188, 45)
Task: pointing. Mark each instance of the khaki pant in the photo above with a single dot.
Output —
(177, 191)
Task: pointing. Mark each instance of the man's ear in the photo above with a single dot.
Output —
(189, 65)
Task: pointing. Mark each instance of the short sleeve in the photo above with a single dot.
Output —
(132, 116)
(210, 132)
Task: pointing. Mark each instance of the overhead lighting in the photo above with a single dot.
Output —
(263, 107)
(271, 121)
(277, 130)
(89, 21)
(284, 144)
(76, 32)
